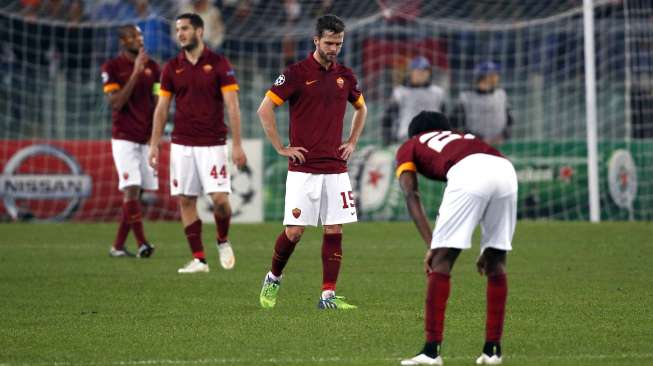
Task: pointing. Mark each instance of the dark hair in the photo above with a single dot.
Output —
(428, 121)
(195, 20)
(329, 22)
(124, 30)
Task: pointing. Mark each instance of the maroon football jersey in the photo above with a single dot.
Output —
(317, 101)
(433, 153)
(199, 115)
(134, 121)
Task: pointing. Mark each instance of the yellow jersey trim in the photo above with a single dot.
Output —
(275, 98)
(164, 93)
(230, 87)
(359, 102)
(111, 87)
(408, 166)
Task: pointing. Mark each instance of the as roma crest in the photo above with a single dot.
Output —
(125, 175)
(207, 68)
(296, 212)
(341, 82)
(147, 71)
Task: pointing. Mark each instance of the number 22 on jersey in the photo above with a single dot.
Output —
(437, 140)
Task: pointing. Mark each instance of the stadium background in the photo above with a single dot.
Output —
(51, 95)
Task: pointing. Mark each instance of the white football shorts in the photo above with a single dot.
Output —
(195, 170)
(131, 163)
(481, 189)
(328, 197)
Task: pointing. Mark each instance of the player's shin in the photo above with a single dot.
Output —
(497, 294)
(283, 249)
(194, 236)
(134, 214)
(331, 259)
(123, 229)
(436, 303)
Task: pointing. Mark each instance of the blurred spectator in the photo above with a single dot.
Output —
(110, 10)
(157, 40)
(484, 111)
(416, 95)
(54, 10)
(324, 7)
(212, 17)
(641, 104)
(76, 12)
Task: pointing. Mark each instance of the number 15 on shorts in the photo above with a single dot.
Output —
(347, 199)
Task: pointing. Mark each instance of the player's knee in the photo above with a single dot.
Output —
(187, 202)
(333, 229)
(496, 262)
(444, 259)
(131, 193)
(221, 206)
(294, 233)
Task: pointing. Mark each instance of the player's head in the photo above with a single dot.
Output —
(486, 75)
(190, 29)
(131, 38)
(328, 38)
(428, 121)
(420, 71)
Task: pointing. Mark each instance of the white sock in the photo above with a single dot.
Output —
(328, 294)
(273, 277)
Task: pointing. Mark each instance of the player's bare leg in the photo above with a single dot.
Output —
(492, 263)
(222, 216)
(283, 249)
(193, 230)
(130, 194)
(331, 259)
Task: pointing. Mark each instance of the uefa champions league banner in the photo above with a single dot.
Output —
(77, 180)
(552, 186)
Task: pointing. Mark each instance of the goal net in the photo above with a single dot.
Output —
(51, 97)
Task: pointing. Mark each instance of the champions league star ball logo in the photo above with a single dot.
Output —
(622, 178)
(72, 186)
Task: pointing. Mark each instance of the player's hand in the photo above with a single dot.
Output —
(141, 60)
(428, 259)
(238, 156)
(346, 150)
(294, 153)
(153, 156)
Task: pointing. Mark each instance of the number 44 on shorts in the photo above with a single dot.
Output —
(223, 172)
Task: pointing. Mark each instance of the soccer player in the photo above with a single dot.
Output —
(202, 83)
(481, 188)
(317, 186)
(131, 83)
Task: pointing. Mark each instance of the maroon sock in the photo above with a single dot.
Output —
(283, 249)
(331, 258)
(497, 293)
(194, 237)
(222, 224)
(436, 304)
(133, 209)
(123, 230)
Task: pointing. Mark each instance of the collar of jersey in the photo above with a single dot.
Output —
(318, 66)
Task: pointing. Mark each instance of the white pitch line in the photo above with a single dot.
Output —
(620, 356)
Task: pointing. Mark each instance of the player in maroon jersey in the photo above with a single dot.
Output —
(131, 83)
(203, 83)
(481, 188)
(317, 187)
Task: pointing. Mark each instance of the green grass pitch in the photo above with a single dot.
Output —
(579, 294)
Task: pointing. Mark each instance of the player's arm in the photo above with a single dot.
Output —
(408, 183)
(119, 98)
(160, 118)
(357, 125)
(268, 121)
(233, 111)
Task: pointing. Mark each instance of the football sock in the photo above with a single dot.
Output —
(497, 292)
(437, 295)
(283, 249)
(123, 230)
(431, 349)
(492, 348)
(331, 258)
(194, 236)
(133, 209)
(222, 224)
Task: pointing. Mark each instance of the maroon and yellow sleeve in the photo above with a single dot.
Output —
(109, 81)
(227, 76)
(167, 86)
(355, 96)
(283, 88)
(405, 160)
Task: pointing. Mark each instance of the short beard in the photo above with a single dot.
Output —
(323, 55)
(131, 51)
(192, 44)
